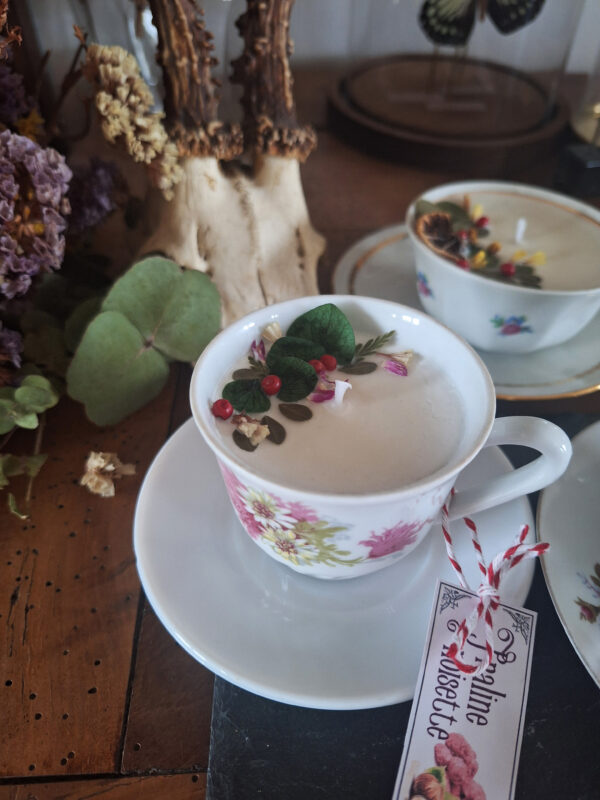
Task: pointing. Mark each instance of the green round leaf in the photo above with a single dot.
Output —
(293, 346)
(7, 415)
(113, 372)
(78, 321)
(246, 395)
(329, 327)
(26, 419)
(33, 398)
(298, 379)
(177, 311)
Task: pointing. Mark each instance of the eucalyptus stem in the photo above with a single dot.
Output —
(6, 439)
(36, 451)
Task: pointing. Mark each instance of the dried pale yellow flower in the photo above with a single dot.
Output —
(537, 259)
(251, 428)
(478, 260)
(124, 102)
(272, 332)
(101, 470)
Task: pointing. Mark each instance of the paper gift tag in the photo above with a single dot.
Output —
(464, 734)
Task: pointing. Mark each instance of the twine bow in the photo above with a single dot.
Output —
(488, 590)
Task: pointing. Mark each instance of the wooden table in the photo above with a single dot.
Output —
(96, 697)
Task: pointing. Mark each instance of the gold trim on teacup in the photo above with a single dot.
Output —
(360, 263)
(535, 197)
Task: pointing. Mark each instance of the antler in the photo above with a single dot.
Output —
(191, 98)
(270, 123)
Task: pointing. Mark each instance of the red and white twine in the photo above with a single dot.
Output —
(488, 591)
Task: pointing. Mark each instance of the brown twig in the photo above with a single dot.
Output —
(263, 70)
(72, 75)
(11, 35)
(185, 54)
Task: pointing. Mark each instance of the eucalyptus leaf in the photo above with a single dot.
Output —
(460, 217)
(298, 379)
(34, 399)
(78, 321)
(424, 207)
(277, 432)
(246, 395)
(36, 393)
(249, 373)
(11, 465)
(329, 327)
(243, 442)
(176, 310)
(360, 368)
(46, 348)
(295, 411)
(114, 372)
(294, 346)
(7, 415)
(26, 419)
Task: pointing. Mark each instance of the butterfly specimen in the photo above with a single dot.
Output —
(450, 22)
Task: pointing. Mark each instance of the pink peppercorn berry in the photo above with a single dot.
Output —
(317, 365)
(508, 269)
(329, 362)
(270, 384)
(482, 222)
(222, 408)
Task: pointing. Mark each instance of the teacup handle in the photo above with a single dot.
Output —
(550, 440)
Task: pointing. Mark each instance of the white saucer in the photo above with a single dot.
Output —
(569, 518)
(323, 644)
(381, 265)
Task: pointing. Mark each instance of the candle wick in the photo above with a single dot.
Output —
(520, 229)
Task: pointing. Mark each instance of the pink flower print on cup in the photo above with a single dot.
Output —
(392, 540)
(509, 326)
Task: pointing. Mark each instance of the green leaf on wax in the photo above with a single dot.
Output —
(328, 326)
(114, 371)
(459, 216)
(298, 379)
(293, 346)
(277, 432)
(176, 310)
(246, 395)
(295, 411)
(360, 368)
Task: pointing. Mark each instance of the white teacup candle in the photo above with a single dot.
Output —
(333, 500)
(544, 260)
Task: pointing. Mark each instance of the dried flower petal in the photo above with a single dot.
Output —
(258, 351)
(251, 428)
(396, 367)
(101, 470)
(272, 332)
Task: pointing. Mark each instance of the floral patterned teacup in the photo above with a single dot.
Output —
(344, 535)
(482, 279)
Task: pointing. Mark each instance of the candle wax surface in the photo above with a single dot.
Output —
(388, 432)
(569, 239)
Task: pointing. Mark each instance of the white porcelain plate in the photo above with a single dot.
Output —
(569, 519)
(381, 265)
(323, 644)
